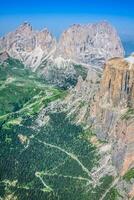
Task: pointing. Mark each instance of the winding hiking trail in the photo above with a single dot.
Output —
(65, 176)
(71, 155)
(37, 174)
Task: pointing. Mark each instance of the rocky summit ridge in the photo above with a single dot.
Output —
(87, 45)
(90, 44)
(81, 43)
(28, 45)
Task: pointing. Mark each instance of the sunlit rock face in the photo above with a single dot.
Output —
(124, 145)
(117, 82)
(113, 110)
(91, 44)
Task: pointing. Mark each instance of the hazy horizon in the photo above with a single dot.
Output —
(58, 15)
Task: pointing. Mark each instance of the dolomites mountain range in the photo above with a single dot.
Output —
(87, 45)
(90, 58)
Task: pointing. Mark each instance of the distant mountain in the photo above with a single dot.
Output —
(79, 47)
(28, 45)
(91, 44)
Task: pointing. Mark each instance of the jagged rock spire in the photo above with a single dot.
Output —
(24, 27)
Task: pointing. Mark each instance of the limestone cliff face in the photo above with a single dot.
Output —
(117, 82)
(124, 141)
(92, 44)
(112, 111)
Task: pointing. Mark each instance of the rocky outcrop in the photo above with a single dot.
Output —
(124, 143)
(117, 82)
(105, 104)
(59, 72)
(80, 97)
(112, 111)
(91, 44)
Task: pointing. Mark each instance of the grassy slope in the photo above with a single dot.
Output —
(22, 93)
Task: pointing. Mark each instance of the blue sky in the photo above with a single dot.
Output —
(58, 15)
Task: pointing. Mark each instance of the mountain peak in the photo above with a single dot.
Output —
(104, 23)
(45, 29)
(83, 42)
(25, 27)
(90, 44)
(26, 24)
